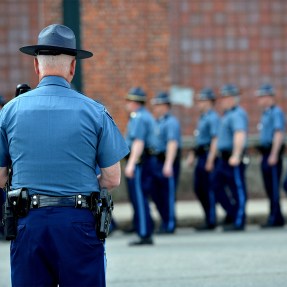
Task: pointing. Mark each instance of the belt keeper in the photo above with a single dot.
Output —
(79, 201)
(35, 201)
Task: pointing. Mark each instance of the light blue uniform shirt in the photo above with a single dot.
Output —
(55, 138)
(139, 127)
(167, 128)
(272, 120)
(232, 121)
(207, 128)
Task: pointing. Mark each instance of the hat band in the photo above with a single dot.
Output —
(136, 98)
(54, 53)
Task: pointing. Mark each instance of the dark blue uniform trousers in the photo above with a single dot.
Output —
(2, 200)
(162, 190)
(57, 245)
(142, 220)
(203, 190)
(271, 179)
(229, 188)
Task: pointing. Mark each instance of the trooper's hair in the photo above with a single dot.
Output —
(61, 63)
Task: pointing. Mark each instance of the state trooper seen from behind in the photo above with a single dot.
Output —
(205, 153)
(228, 180)
(2, 197)
(271, 145)
(54, 137)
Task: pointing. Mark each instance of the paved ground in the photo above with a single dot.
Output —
(256, 258)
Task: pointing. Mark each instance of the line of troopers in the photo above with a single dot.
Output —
(219, 175)
(152, 169)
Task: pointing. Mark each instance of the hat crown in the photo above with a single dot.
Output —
(207, 94)
(57, 35)
(137, 91)
(229, 90)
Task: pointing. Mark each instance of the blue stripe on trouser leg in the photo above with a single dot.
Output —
(271, 179)
(202, 188)
(241, 197)
(142, 227)
(55, 246)
(171, 203)
(218, 181)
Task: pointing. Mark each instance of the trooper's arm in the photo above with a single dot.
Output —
(238, 146)
(3, 176)
(111, 176)
(171, 151)
(211, 155)
(135, 154)
(276, 146)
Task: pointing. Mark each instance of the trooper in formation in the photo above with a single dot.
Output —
(164, 162)
(228, 179)
(138, 138)
(205, 153)
(271, 146)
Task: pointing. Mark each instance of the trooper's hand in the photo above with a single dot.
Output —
(190, 159)
(209, 165)
(167, 170)
(272, 159)
(129, 170)
(234, 160)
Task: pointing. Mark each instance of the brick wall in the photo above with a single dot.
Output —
(157, 44)
(130, 41)
(238, 41)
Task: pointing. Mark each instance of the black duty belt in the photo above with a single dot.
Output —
(224, 154)
(201, 150)
(77, 201)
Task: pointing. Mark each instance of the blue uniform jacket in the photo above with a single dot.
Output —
(272, 120)
(55, 137)
(233, 120)
(207, 128)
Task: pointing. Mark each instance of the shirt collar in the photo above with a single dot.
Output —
(54, 80)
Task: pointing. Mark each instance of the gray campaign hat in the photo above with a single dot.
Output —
(56, 39)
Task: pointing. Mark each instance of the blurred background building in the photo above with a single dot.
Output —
(156, 44)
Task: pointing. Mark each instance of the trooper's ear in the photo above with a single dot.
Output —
(73, 67)
(36, 66)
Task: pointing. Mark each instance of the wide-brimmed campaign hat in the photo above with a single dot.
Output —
(229, 90)
(136, 94)
(56, 39)
(206, 94)
(265, 90)
(161, 98)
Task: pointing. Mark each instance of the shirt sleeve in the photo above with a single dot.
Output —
(111, 144)
(173, 130)
(214, 125)
(278, 120)
(239, 122)
(140, 127)
(4, 148)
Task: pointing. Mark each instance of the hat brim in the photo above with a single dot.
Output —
(160, 102)
(33, 51)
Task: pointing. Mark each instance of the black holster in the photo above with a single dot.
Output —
(17, 205)
(102, 206)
